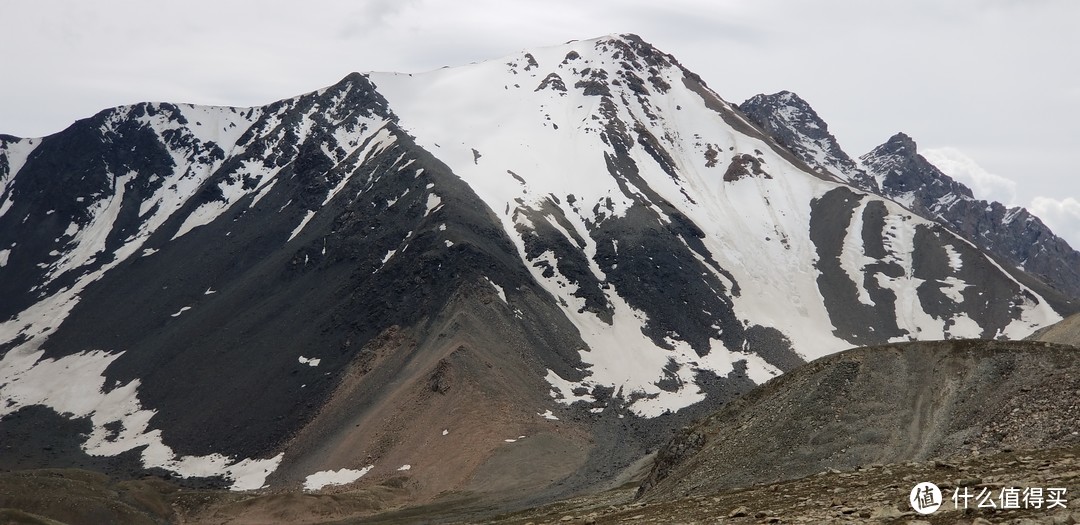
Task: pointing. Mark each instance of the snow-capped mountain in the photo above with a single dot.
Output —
(1012, 234)
(896, 171)
(563, 252)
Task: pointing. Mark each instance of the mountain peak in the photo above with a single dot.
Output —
(1012, 234)
(901, 143)
(790, 120)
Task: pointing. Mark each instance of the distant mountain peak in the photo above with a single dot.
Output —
(899, 144)
(896, 170)
(1012, 234)
(792, 122)
(900, 170)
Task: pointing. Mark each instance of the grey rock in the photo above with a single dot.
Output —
(1010, 233)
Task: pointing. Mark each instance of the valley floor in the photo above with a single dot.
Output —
(870, 494)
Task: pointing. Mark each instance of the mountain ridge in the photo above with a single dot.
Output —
(586, 232)
(897, 171)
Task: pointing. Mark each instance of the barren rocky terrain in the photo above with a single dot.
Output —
(867, 494)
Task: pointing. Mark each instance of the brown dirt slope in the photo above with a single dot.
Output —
(72, 496)
(895, 403)
(876, 494)
(1066, 332)
(447, 409)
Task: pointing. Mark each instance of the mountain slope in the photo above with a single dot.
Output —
(920, 401)
(567, 252)
(188, 310)
(896, 171)
(1065, 332)
(1012, 234)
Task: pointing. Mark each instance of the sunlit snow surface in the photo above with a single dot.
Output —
(325, 478)
(493, 125)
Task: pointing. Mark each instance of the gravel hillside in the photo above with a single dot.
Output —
(895, 403)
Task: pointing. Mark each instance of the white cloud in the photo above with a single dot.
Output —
(1062, 216)
(984, 185)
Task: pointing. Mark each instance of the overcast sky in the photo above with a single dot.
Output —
(989, 88)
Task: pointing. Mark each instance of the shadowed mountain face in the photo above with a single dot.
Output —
(920, 401)
(439, 278)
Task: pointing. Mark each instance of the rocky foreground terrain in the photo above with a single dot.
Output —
(869, 494)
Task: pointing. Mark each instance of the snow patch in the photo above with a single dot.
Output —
(955, 261)
(310, 361)
(300, 227)
(181, 311)
(548, 415)
(433, 202)
(404, 468)
(853, 259)
(325, 478)
(74, 385)
(498, 289)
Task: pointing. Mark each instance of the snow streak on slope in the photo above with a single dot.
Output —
(524, 147)
(214, 158)
(83, 244)
(563, 142)
(13, 154)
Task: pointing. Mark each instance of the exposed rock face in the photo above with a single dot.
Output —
(1013, 235)
(896, 170)
(795, 125)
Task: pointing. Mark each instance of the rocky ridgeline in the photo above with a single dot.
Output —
(897, 171)
(1011, 233)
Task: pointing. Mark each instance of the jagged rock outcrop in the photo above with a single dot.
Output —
(795, 125)
(896, 170)
(1013, 235)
